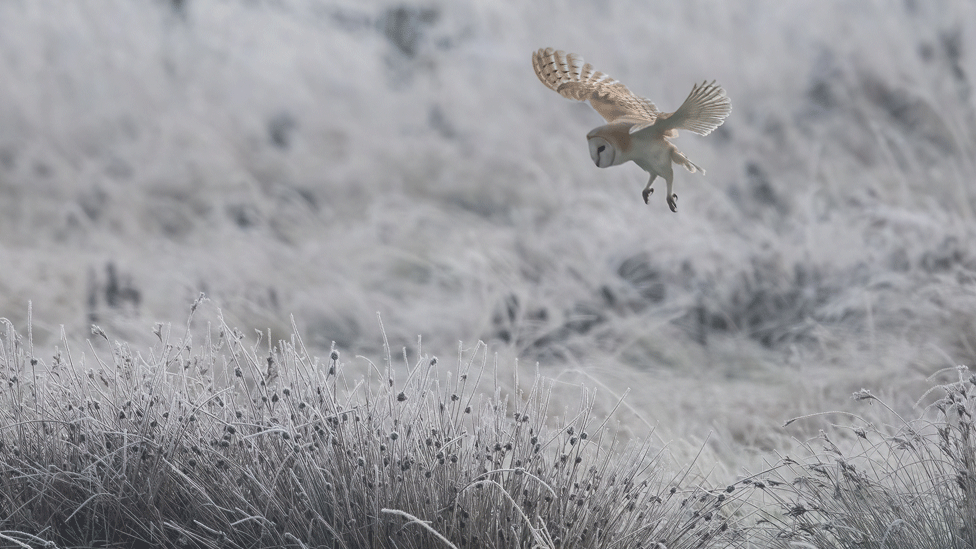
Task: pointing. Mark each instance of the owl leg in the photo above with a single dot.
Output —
(648, 190)
(672, 198)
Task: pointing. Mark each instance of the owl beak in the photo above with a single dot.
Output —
(602, 154)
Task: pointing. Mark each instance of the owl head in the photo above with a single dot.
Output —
(608, 145)
(601, 151)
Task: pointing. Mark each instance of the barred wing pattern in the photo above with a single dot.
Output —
(569, 75)
(705, 109)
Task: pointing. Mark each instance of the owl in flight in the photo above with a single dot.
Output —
(635, 130)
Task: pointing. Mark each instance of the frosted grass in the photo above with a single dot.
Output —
(335, 160)
(223, 442)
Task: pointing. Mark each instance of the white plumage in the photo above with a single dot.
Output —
(636, 129)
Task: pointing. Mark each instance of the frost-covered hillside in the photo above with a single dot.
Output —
(335, 160)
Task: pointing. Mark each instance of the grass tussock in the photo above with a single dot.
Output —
(209, 441)
(908, 484)
(216, 442)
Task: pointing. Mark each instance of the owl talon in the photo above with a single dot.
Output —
(647, 192)
(673, 203)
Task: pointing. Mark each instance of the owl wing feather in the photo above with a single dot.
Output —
(569, 75)
(705, 109)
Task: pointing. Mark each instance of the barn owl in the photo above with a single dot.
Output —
(635, 130)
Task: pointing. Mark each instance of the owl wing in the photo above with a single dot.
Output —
(705, 109)
(572, 78)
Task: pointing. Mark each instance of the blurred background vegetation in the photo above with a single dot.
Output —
(335, 160)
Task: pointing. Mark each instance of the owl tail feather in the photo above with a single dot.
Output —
(682, 160)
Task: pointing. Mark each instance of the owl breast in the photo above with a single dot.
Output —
(653, 155)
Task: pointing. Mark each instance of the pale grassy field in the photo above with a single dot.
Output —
(335, 161)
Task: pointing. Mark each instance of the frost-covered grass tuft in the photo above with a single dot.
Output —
(910, 483)
(206, 440)
(216, 442)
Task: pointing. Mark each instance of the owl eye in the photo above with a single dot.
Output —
(601, 148)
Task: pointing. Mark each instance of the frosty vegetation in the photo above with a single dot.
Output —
(221, 443)
(328, 161)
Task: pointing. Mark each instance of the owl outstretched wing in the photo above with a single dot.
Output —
(569, 75)
(705, 109)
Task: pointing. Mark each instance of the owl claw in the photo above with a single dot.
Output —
(673, 203)
(647, 192)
